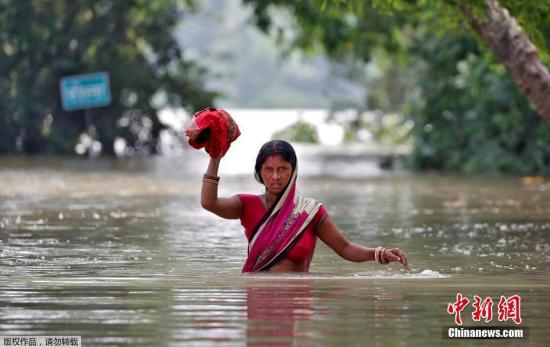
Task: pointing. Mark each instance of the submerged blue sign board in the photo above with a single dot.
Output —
(85, 91)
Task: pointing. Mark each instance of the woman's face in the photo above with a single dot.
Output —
(276, 173)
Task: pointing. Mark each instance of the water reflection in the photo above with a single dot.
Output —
(278, 313)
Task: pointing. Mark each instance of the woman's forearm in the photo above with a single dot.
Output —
(213, 166)
(209, 191)
(358, 253)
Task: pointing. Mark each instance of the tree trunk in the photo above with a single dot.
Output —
(513, 48)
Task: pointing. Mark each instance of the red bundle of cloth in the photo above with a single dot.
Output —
(213, 129)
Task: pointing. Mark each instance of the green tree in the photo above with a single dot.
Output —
(298, 132)
(43, 41)
(356, 27)
(468, 111)
(470, 117)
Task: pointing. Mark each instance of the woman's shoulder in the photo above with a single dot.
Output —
(313, 204)
(250, 198)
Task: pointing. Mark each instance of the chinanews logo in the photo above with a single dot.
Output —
(508, 309)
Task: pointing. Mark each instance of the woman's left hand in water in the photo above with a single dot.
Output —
(395, 254)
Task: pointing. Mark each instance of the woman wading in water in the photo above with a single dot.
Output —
(281, 226)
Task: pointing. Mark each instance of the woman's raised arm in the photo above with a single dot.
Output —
(229, 208)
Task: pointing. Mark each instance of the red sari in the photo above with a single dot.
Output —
(286, 230)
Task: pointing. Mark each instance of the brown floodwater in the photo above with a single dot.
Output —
(120, 253)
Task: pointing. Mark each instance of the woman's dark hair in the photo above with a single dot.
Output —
(274, 147)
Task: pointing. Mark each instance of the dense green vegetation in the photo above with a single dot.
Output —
(468, 115)
(298, 132)
(460, 106)
(42, 41)
(471, 117)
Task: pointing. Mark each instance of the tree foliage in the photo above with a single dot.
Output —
(468, 114)
(470, 117)
(43, 41)
(298, 132)
(343, 27)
